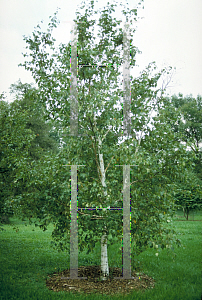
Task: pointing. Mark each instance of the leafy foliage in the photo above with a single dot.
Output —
(46, 139)
(189, 193)
(15, 142)
(190, 126)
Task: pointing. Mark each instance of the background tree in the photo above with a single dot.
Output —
(188, 186)
(47, 138)
(189, 193)
(100, 183)
(190, 125)
(14, 147)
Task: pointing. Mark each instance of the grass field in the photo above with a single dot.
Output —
(26, 259)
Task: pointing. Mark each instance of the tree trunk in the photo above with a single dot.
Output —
(186, 213)
(104, 254)
(104, 258)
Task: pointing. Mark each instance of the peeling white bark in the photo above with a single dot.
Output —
(104, 255)
(104, 258)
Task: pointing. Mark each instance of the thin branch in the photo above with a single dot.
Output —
(105, 134)
(137, 148)
(134, 182)
(95, 148)
(192, 147)
(96, 160)
(108, 164)
(97, 217)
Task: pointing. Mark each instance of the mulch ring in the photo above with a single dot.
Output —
(93, 283)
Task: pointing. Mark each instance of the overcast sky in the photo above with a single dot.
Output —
(168, 32)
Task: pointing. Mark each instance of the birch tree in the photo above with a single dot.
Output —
(98, 145)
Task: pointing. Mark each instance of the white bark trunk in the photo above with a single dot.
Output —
(104, 258)
(104, 255)
(102, 167)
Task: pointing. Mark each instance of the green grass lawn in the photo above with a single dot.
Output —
(26, 259)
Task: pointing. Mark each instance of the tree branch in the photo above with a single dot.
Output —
(105, 134)
(134, 182)
(108, 164)
(100, 174)
(97, 217)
